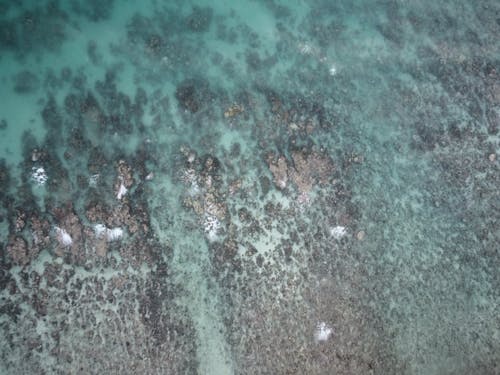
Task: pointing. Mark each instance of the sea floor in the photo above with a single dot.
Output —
(250, 187)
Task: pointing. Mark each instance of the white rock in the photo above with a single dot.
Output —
(63, 237)
(94, 179)
(305, 49)
(112, 234)
(212, 225)
(322, 332)
(121, 191)
(338, 232)
(99, 230)
(332, 70)
(39, 175)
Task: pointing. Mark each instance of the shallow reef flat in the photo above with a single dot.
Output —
(250, 187)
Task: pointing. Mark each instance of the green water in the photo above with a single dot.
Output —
(250, 187)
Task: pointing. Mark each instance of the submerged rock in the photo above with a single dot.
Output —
(17, 249)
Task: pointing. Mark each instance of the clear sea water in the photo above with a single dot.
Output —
(250, 187)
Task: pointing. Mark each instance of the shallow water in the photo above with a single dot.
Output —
(258, 187)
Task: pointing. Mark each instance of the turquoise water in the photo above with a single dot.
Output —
(251, 187)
